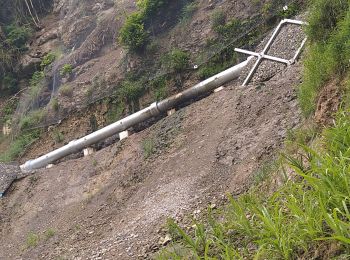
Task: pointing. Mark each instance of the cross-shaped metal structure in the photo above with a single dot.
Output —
(263, 55)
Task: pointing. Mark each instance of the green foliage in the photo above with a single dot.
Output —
(176, 60)
(288, 223)
(217, 64)
(66, 70)
(292, 10)
(66, 90)
(133, 34)
(325, 15)
(32, 119)
(131, 90)
(328, 55)
(9, 85)
(115, 111)
(218, 20)
(148, 147)
(159, 87)
(19, 145)
(8, 110)
(188, 11)
(55, 105)
(17, 36)
(36, 84)
(49, 233)
(150, 7)
(47, 60)
(32, 240)
(229, 30)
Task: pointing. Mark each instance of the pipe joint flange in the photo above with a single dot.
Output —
(154, 109)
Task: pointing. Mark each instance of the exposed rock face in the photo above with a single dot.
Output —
(328, 103)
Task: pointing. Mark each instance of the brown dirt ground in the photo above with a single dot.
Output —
(112, 204)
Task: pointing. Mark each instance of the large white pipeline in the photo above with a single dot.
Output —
(136, 118)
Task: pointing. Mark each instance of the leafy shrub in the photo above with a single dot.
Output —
(47, 60)
(17, 36)
(133, 34)
(324, 17)
(150, 7)
(49, 233)
(188, 11)
(218, 20)
(57, 136)
(36, 84)
(159, 87)
(176, 60)
(55, 105)
(32, 240)
(229, 30)
(148, 147)
(131, 90)
(9, 85)
(66, 90)
(66, 70)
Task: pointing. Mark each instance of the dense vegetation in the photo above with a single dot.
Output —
(309, 215)
(133, 34)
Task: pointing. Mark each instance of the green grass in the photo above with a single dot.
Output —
(49, 233)
(18, 145)
(293, 221)
(328, 53)
(148, 147)
(32, 240)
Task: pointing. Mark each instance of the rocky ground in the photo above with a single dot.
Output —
(111, 205)
(114, 203)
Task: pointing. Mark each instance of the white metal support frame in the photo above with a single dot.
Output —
(263, 55)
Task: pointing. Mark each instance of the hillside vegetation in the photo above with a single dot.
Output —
(308, 216)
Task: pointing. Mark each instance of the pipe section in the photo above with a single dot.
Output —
(136, 118)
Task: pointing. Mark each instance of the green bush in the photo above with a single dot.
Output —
(55, 105)
(17, 36)
(159, 87)
(150, 7)
(188, 11)
(66, 90)
(32, 240)
(148, 147)
(229, 30)
(47, 60)
(133, 34)
(131, 91)
(66, 70)
(176, 60)
(9, 85)
(36, 84)
(218, 20)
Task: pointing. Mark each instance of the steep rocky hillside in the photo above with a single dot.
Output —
(114, 204)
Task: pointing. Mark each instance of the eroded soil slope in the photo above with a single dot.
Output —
(112, 204)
